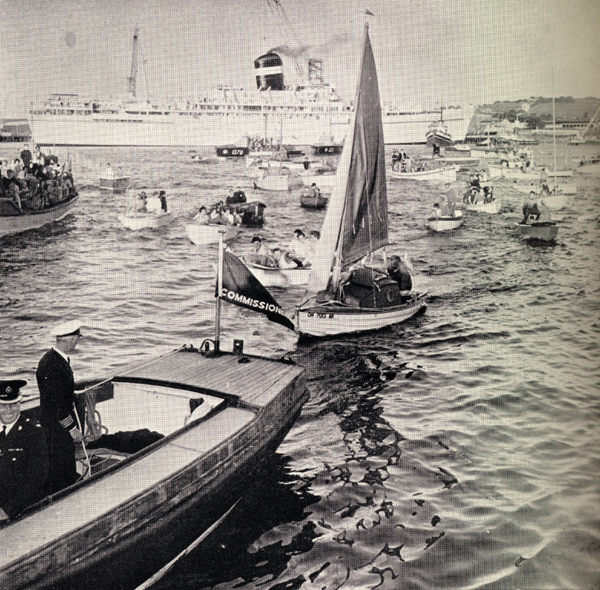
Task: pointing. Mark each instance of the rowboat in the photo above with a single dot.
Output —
(278, 277)
(114, 183)
(273, 181)
(438, 175)
(356, 225)
(545, 231)
(208, 418)
(14, 220)
(310, 201)
(202, 233)
(136, 221)
(445, 223)
(482, 207)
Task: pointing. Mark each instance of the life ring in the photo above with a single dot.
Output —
(391, 296)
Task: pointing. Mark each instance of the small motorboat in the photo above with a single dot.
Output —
(273, 276)
(206, 233)
(446, 223)
(115, 184)
(136, 221)
(544, 231)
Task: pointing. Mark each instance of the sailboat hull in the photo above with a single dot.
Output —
(320, 321)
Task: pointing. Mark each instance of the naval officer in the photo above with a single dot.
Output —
(57, 412)
(24, 458)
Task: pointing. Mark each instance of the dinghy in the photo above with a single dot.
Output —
(202, 234)
(356, 225)
(445, 223)
(441, 174)
(137, 221)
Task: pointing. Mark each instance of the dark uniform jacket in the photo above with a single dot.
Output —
(57, 416)
(57, 391)
(24, 466)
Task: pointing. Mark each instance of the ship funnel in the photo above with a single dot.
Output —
(268, 69)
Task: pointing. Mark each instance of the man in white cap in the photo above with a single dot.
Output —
(57, 412)
(24, 458)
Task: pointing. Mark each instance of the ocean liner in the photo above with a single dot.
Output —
(293, 115)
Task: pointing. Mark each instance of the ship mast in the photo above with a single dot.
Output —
(134, 66)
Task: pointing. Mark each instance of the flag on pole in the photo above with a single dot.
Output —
(242, 288)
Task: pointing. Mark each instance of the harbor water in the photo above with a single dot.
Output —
(458, 450)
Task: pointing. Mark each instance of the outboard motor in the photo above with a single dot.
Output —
(269, 72)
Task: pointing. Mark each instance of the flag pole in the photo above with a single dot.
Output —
(219, 291)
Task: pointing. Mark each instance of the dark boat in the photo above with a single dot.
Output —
(209, 417)
(327, 149)
(14, 220)
(232, 151)
(545, 231)
(310, 201)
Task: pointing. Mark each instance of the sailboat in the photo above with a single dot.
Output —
(355, 226)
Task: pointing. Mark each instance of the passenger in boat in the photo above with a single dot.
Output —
(163, 201)
(531, 211)
(436, 150)
(545, 216)
(141, 203)
(202, 216)
(396, 159)
(488, 194)
(298, 245)
(285, 259)
(24, 458)
(108, 171)
(263, 254)
(315, 191)
(239, 196)
(26, 156)
(437, 210)
(306, 163)
(57, 406)
(398, 270)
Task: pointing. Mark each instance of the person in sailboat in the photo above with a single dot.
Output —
(398, 270)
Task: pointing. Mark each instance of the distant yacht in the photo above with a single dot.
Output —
(298, 115)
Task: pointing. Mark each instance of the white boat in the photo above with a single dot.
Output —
(442, 174)
(446, 223)
(136, 221)
(278, 277)
(297, 114)
(324, 180)
(589, 166)
(202, 234)
(560, 188)
(355, 226)
(115, 183)
(482, 207)
(14, 220)
(274, 180)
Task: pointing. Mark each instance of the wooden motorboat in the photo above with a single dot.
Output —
(543, 231)
(270, 276)
(310, 201)
(252, 213)
(445, 223)
(14, 220)
(206, 233)
(355, 225)
(136, 221)
(483, 207)
(209, 420)
(441, 174)
(114, 183)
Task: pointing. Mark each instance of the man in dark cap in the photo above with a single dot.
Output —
(24, 460)
(57, 413)
(163, 201)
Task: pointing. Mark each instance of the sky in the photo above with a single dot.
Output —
(428, 52)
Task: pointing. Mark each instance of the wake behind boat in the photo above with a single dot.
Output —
(356, 225)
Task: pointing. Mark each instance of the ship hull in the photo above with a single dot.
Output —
(172, 129)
